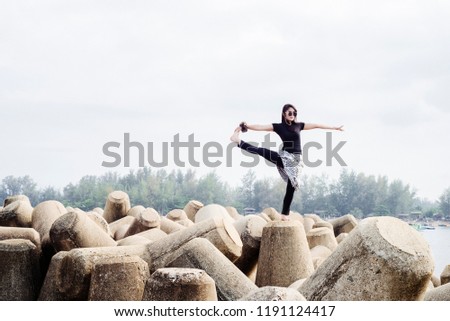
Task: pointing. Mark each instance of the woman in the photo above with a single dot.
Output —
(289, 159)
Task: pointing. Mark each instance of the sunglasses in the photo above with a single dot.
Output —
(290, 113)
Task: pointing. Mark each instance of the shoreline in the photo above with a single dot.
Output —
(428, 225)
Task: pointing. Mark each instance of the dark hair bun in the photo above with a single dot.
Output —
(243, 126)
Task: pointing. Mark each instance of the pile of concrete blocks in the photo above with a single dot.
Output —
(207, 253)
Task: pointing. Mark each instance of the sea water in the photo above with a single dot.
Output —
(439, 241)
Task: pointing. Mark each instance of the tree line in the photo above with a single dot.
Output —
(355, 193)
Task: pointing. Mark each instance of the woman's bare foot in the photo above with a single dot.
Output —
(235, 137)
(284, 217)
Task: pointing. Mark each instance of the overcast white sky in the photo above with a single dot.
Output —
(75, 75)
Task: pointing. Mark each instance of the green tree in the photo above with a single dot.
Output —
(365, 200)
(382, 191)
(356, 212)
(344, 192)
(50, 193)
(247, 190)
(444, 202)
(400, 198)
(20, 185)
(314, 194)
(381, 210)
(262, 194)
(430, 213)
(211, 189)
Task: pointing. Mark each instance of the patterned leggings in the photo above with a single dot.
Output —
(275, 158)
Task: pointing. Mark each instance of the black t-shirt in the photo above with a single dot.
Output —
(290, 135)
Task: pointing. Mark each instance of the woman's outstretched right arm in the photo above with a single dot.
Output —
(268, 128)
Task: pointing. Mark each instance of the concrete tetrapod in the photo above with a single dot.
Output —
(274, 293)
(169, 226)
(308, 224)
(382, 259)
(186, 223)
(118, 279)
(317, 261)
(435, 280)
(117, 206)
(53, 282)
(199, 253)
(216, 230)
(272, 213)
(265, 217)
(16, 214)
(316, 218)
(445, 275)
(100, 221)
(250, 229)
(344, 224)
(43, 216)
(284, 255)
(147, 219)
(120, 227)
(98, 210)
(13, 198)
(133, 240)
(75, 230)
(7, 233)
(232, 211)
(297, 284)
(121, 232)
(320, 251)
(135, 211)
(177, 215)
(321, 236)
(323, 224)
(295, 216)
(191, 209)
(341, 237)
(153, 234)
(180, 284)
(20, 276)
(441, 293)
(212, 210)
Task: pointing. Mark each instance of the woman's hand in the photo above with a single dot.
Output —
(243, 126)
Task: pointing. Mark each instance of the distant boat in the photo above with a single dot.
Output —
(443, 225)
(417, 226)
(421, 227)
